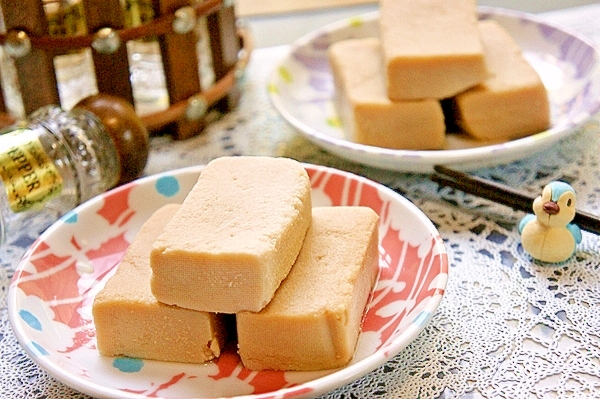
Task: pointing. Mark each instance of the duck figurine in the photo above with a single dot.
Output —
(549, 236)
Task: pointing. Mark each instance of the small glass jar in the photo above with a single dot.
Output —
(57, 159)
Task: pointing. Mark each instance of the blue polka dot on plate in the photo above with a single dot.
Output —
(128, 364)
(422, 318)
(167, 186)
(39, 348)
(30, 319)
(70, 217)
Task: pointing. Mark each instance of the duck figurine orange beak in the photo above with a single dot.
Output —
(548, 235)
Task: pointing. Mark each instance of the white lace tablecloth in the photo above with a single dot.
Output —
(506, 328)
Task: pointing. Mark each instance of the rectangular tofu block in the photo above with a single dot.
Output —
(235, 237)
(512, 102)
(314, 319)
(431, 48)
(368, 115)
(131, 322)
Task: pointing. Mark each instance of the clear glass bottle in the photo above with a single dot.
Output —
(57, 159)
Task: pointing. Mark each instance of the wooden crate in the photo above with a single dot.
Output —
(35, 38)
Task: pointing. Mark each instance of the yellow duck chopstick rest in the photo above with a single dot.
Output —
(549, 236)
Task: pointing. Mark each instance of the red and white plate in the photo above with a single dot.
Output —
(54, 286)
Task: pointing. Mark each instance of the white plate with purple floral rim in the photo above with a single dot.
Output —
(51, 295)
(301, 89)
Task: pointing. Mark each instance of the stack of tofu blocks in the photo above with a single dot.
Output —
(435, 67)
(246, 255)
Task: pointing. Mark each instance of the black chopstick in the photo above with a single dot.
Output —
(502, 194)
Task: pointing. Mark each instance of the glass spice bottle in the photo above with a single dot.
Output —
(57, 159)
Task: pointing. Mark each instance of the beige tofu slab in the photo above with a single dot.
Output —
(431, 48)
(235, 237)
(130, 322)
(314, 319)
(368, 115)
(513, 101)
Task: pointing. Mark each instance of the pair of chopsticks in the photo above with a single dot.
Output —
(502, 194)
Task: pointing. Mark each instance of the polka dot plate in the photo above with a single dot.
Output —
(54, 286)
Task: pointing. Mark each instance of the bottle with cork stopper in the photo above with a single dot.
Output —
(56, 159)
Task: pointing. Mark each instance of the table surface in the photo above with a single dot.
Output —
(507, 327)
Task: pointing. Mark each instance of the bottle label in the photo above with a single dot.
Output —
(29, 175)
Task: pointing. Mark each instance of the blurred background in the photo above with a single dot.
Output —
(276, 22)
